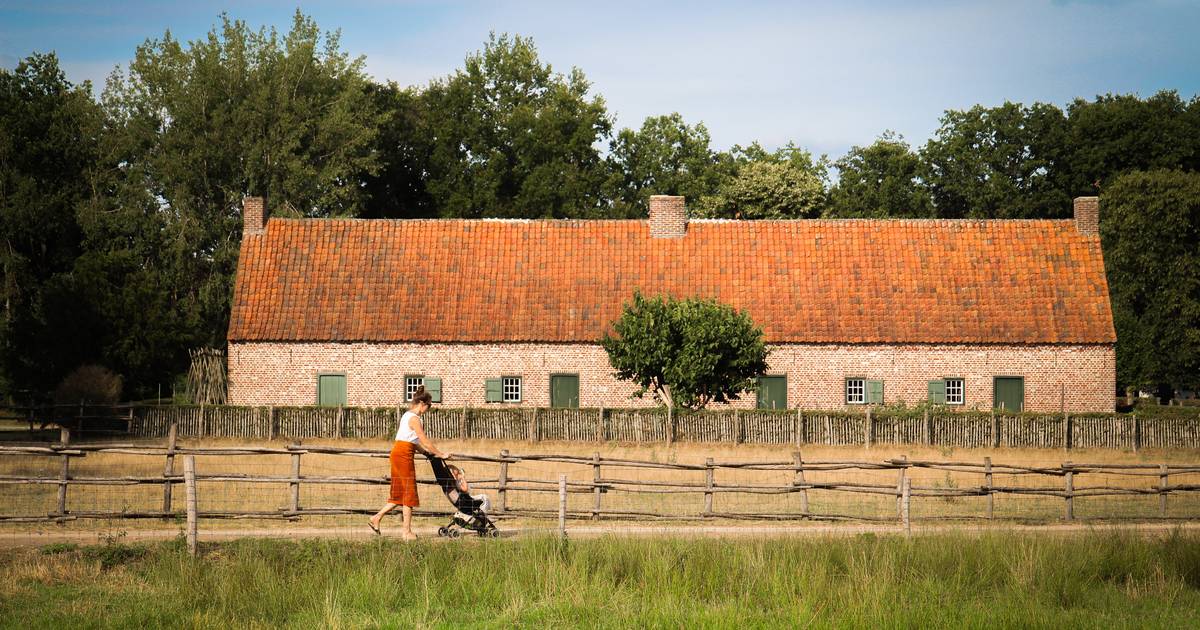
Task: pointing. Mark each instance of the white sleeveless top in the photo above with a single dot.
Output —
(405, 433)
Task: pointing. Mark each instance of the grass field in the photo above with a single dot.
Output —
(994, 580)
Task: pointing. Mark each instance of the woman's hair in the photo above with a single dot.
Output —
(454, 469)
(422, 396)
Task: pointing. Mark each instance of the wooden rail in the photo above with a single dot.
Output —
(606, 479)
(935, 426)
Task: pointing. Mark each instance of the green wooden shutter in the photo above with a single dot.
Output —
(331, 390)
(564, 390)
(434, 387)
(937, 392)
(874, 392)
(495, 390)
(772, 392)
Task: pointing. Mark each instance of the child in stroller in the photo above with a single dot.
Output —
(472, 509)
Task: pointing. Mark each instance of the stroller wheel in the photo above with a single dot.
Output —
(493, 533)
(441, 531)
(452, 533)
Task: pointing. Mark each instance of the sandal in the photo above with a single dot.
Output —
(373, 528)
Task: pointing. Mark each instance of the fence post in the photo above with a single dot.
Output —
(502, 487)
(1162, 490)
(204, 422)
(600, 437)
(189, 482)
(169, 469)
(272, 429)
(900, 483)
(995, 431)
(1070, 492)
(798, 462)
(1066, 431)
(737, 426)
(1137, 433)
(462, 424)
(295, 484)
(905, 508)
(708, 486)
(562, 506)
(64, 437)
(670, 424)
(596, 486)
(926, 429)
(799, 427)
(868, 428)
(340, 430)
(987, 479)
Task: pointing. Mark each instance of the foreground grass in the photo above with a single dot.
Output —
(1005, 580)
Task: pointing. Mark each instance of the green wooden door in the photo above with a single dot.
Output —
(331, 390)
(1009, 393)
(772, 392)
(564, 390)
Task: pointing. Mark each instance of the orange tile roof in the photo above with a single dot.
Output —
(849, 281)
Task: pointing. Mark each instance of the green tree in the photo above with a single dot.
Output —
(49, 137)
(1116, 134)
(1150, 226)
(881, 181)
(784, 184)
(666, 156)
(404, 147)
(686, 352)
(1006, 162)
(192, 129)
(512, 138)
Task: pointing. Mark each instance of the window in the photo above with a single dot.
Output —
(954, 391)
(411, 383)
(512, 389)
(856, 391)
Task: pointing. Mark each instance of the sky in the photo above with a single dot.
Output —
(825, 75)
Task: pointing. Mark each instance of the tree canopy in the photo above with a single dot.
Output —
(1150, 226)
(687, 353)
(121, 216)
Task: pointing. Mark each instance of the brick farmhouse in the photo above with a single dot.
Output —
(1004, 313)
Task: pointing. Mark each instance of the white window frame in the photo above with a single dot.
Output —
(959, 388)
(856, 391)
(411, 383)
(510, 387)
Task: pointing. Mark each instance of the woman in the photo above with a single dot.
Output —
(409, 437)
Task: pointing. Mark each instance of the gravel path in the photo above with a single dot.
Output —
(27, 539)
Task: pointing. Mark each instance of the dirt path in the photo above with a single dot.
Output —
(33, 539)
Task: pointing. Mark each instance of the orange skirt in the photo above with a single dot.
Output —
(404, 475)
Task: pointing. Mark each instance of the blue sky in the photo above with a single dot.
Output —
(824, 75)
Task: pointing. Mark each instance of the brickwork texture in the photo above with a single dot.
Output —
(1074, 378)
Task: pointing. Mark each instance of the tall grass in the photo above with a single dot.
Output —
(1004, 580)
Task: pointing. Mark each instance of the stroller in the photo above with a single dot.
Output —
(470, 514)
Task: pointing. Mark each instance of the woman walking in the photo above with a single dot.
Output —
(410, 436)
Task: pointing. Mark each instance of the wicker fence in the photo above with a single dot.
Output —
(796, 427)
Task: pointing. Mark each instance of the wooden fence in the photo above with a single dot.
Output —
(606, 480)
(936, 427)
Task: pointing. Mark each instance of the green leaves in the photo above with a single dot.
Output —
(687, 352)
(512, 138)
(1150, 227)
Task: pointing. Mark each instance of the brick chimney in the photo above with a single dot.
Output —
(1087, 215)
(668, 216)
(254, 216)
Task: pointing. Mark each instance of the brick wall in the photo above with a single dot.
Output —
(668, 216)
(1077, 378)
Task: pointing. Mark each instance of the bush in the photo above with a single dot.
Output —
(91, 383)
(688, 352)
